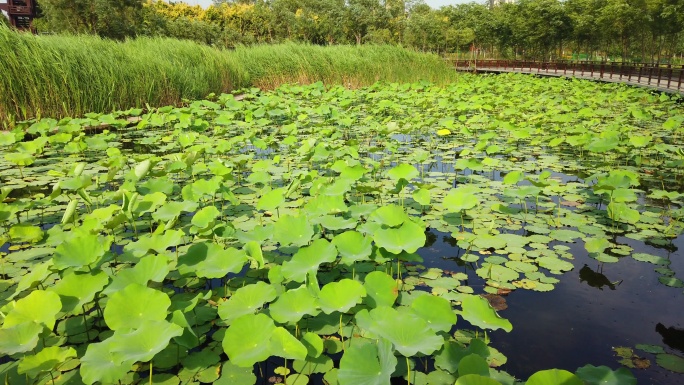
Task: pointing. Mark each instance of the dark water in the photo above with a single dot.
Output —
(577, 323)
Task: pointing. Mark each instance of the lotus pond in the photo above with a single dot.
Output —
(315, 235)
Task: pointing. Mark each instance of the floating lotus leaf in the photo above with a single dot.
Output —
(403, 171)
(341, 296)
(19, 338)
(246, 300)
(409, 238)
(565, 235)
(353, 246)
(487, 241)
(292, 305)
(497, 273)
(25, 233)
(308, 259)
(603, 375)
(390, 215)
(45, 361)
(39, 307)
(671, 281)
(80, 250)
(671, 362)
(436, 311)
(554, 264)
(36, 275)
(77, 289)
(554, 376)
(232, 374)
(246, 340)
(130, 307)
(209, 260)
(382, 289)
(408, 332)
(367, 364)
(654, 259)
(291, 230)
(331, 222)
(479, 312)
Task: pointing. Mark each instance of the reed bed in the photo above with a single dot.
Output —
(60, 76)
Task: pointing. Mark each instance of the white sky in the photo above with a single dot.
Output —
(432, 3)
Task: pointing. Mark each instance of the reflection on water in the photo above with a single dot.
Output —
(575, 324)
(596, 278)
(672, 337)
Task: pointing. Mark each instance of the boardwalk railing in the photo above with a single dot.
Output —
(664, 76)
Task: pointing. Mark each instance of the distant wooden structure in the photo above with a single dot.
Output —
(20, 12)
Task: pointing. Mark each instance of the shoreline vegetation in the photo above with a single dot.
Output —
(60, 76)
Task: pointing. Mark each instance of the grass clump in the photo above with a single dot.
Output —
(70, 75)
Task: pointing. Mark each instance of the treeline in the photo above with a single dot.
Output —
(637, 30)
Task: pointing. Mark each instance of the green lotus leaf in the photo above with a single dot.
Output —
(382, 289)
(650, 258)
(130, 307)
(514, 177)
(7, 138)
(390, 215)
(209, 260)
(671, 281)
(25, 233)
(99, 363)
(353, 246)
(272, 200)
(554, 264)
(80, 250)
(476, 379)
(341, 296)
(497, 273)
(246, 300)
(461, 198)
(285, 345)
(232, 374)
(409, 238)
(603, 375)
(19, 338)
(147, 204)
(473, 364)
(478, 312)
(36, 275)
(621, 212)
(422, 196)
(554, 376)
(246, 339)
(77, 289)
(39, 307)
(565, 235)
(143, 343)
(436, 311)
(151, 268)
(171, 210)
(291, 230)
(308, 259)
(205, 217)
(403, 171)
(654, 349)
(367, 364)
(671, 362)
(408, 332)
(253, 250)
(596, 245)
(157, 242)
(20, 158)
(487, 241)
(313, 344)
(333, 223)
(292, 305)
(45, 361)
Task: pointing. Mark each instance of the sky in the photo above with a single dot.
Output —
(432, 3)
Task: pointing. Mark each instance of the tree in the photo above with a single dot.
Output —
(116, 19)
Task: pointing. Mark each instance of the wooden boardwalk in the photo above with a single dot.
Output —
(669, 79)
